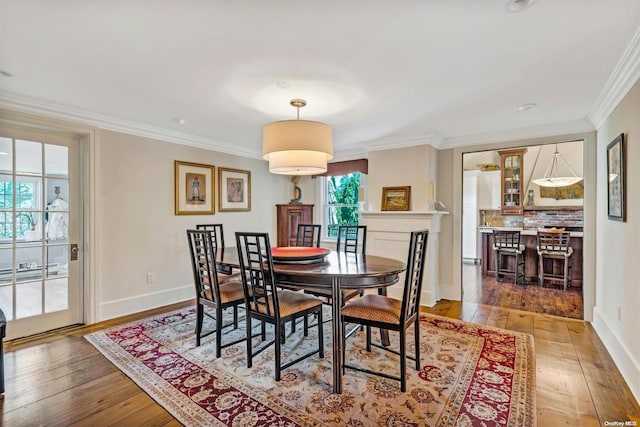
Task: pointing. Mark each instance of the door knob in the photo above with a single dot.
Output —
(74, 251)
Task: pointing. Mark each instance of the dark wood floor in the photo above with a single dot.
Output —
(58, 378)
(530, 297)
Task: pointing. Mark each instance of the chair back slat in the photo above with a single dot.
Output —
(506, 239)
(256, 265)
(205, 275)
(218, 234)
(414, 274)
(350, 237)
(308, 235)
(553, 241)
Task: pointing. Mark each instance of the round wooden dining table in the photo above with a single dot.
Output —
(337, 271)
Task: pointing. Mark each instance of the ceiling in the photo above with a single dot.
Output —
(382, 73)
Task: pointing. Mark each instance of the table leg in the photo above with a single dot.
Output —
(336, 299)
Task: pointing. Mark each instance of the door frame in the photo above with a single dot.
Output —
(86, 135)
(589, 240)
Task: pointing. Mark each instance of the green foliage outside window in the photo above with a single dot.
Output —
(25, 194)
(342, 198)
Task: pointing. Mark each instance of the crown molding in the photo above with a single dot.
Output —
(100, 121)
(434, 139)
(621, 80)
(510, 135)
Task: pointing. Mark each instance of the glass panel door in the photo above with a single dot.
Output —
(39, 285)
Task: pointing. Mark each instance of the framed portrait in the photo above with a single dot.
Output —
(616, 188)
(395, 198)
(234, 190)
(194, 188)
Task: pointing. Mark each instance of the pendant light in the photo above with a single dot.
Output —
(551, 178)
(297, 147)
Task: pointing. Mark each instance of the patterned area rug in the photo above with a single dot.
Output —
(471, 375)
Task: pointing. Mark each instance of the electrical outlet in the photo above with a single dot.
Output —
(619, 314)
(151, 277)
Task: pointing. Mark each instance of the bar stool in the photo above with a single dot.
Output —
(554, 245)
(506, 243)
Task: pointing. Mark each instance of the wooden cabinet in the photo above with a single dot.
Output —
(288, 217)
(511, 185)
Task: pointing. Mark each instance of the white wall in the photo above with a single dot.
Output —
(413, 166)
(618, 286)
(137, 231)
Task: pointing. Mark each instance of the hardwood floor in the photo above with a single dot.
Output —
(58, 378)
(530, 297)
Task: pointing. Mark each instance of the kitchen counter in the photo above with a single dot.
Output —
(529, 239)
(487, 229)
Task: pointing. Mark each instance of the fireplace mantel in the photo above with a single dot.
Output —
(388, 234)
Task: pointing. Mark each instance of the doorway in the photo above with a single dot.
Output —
(40, 226)
(543, 207)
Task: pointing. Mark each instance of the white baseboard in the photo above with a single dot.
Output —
(448, 291)
(122, 307)
(629, 367)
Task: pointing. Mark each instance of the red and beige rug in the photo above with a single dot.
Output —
(471, 375)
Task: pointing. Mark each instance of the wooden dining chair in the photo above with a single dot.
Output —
(225, 273)
(390, 314)
(352, 239)
(267, 303)
(209, 291)
(309, 235)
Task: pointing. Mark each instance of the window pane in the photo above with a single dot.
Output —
(55, 160)
(28, 299)
(342, 198)
(28, 157)
(6, 155)
(29, 262)
(6, 301)
(56, 295)
(6, 266)
(6, 228)
(6, 191)
(57, 259)
(57, 189)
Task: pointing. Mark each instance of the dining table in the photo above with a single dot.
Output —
(336, 271)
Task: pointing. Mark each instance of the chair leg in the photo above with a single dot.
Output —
(305, 322)
(416, 330)
(249, 343)
(566, 273)
(235, 317)
(403, 361)
(320, 335)
(218, 331)
(199, 319)
(279, 332)
(540, 270)
(497, 259)
(368, 334)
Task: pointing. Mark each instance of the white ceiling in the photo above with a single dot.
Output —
(380, 72)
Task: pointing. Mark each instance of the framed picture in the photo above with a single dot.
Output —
(616, 179)
(194, 188)
(234, 190)
(396, 198)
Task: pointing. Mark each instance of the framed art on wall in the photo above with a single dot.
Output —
(194, 188)
(396, 198)
(234, 190)
(616, 186)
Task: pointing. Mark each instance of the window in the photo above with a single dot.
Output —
(341, 195)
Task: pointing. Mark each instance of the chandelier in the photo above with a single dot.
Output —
(551, 178)
(297, 147)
